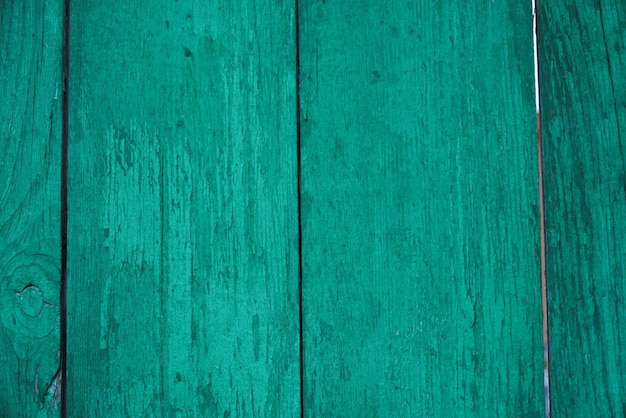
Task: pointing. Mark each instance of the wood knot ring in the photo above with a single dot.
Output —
(31, 300)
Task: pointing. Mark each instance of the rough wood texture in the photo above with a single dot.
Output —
(583, 100)
(183, 266)
(30, 144)
(420, 219)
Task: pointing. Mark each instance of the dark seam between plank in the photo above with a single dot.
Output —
(64, 168)
(299, 175)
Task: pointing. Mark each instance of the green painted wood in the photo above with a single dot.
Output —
(421, 279)
(583, 102)
(30, 146)
(182, 241)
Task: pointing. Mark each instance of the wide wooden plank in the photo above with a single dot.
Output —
(182, 248)
(31, 42)
(583, 107)
(421, 278)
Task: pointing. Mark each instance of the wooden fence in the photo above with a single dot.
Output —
(325, 209)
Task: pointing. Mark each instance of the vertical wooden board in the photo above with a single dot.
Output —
(183, 255)
(30, 144)
(421, 278)
(583, 107)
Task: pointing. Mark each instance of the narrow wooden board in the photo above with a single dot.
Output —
(30, 240)
(183, 250)
(421, 279)
(583, 107)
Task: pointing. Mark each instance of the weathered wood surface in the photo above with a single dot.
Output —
(421, 279)
(30, 145)
(583, 101)
(183, 256)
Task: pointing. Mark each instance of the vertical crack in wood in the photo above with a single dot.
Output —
(542, 224)
(610, 71)
(162, 286)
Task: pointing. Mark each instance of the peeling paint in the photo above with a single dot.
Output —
(52, 399)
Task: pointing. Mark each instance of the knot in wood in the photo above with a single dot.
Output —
(31, 300)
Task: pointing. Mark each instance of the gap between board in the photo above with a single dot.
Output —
(542, 222)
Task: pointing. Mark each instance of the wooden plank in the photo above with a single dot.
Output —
(30, 73)
(183, 256)
(583, 107)
(421, 279)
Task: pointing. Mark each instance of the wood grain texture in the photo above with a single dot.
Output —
(583, 102)
(183, 255)
(30, 144)
(421, 279)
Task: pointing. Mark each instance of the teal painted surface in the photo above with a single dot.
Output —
(583, 99)
(183, 256)
(30, 145)
(419, 209)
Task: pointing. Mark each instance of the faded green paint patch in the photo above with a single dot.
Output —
(182, 281)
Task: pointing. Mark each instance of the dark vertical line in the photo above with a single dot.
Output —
(542, 226)
(162, 292)
(610, 71)
(544, 275)
(299, 169)
(64, 164)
